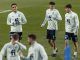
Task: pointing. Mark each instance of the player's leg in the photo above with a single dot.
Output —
(55, 50)
(51, 39)
(75, 48)
(67, 49)
(67, 38)
(52, 44)
(75, 41)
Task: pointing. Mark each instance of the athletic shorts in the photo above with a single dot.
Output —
(71, 36)
(51, 34)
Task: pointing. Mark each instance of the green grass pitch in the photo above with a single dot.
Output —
(34, 11)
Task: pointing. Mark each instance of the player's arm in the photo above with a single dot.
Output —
(77, 21)
(21, 45)
(76, 24)
(45, 20)
(21, 54)
(29, 56)
(43, 53)
(23, 19)
(23, 57)
(1, 56)
(58, 16)
(2, 53)
(9, 20)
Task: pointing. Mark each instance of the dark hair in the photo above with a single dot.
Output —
(32, 36)
(15, 36)
(68, 6)
(51, 3)
(13, 4)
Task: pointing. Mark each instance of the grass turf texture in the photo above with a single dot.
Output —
(34, 11)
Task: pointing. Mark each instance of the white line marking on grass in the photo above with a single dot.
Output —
(4, 11)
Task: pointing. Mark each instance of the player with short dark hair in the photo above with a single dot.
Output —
(51, 3)
(52, 17)
(16, 19)
(32, 36)
(12, 49)
(36, 51)
(71, 27)
(13, 4)
(68, 6)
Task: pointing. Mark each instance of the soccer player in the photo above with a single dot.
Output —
(16, 19)
(52, 17)
(71, 27)
(12, 49)
(36, 50)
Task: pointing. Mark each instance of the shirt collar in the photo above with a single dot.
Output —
(15, 12)
(70, 12)
(34, 43)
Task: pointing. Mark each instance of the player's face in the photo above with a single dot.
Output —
(67, 10)
(14, 8)
(51, 6)
(13, 40)
(30, 41)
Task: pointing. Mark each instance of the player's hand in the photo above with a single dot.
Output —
(17, 23)
(76, 31)
(42, 25)
(13, 24)
(16, 42)
(54, 17)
